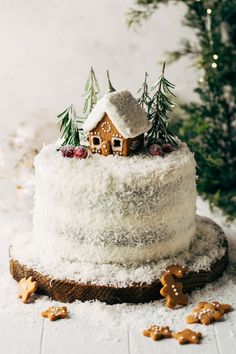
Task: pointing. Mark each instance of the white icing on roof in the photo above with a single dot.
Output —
(123, 110)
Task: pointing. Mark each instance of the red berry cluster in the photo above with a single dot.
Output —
(158, 148)
(70, 151)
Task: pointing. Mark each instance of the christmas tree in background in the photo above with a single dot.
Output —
(210, 126)
(110, 86)
(158, 108)
(91, 92)
(68, 121)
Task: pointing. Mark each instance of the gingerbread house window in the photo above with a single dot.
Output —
(96, 142)
(117, 144)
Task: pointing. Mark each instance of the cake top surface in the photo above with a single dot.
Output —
(100, 172)
(124, 111)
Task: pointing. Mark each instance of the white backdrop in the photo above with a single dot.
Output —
(47, 47)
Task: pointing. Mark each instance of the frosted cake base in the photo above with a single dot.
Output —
(64, 281)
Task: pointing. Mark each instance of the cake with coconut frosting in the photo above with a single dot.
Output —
(114, 209)
(124, 205)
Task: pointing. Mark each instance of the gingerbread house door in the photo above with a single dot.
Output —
(106, 148)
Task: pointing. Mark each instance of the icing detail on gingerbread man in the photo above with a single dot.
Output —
(157, 332)
(55, 312)
(177, 270)
(224, 308)
(27, 288)
(173, 291)
(205, 315)
(187, 336)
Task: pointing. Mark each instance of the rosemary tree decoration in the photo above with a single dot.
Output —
(110, 86)
(144, 98)
(158, 108)
(91, 92)
(68, 121)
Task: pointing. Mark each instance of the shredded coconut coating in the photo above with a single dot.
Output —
(114, 209)
(206, 247)
(111, 209)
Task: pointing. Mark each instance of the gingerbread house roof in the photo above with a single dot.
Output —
(124, 111)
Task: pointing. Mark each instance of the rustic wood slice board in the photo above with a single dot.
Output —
(69, 291)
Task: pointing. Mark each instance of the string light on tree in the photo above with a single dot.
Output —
(209, 11)
(214, 65)
(215, 56)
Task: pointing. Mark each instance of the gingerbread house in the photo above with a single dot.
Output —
(116, 125)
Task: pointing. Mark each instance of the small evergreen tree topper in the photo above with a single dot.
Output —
(91, 92)
(144, 99)
(69, 127)
(110, 86)
(158, 108)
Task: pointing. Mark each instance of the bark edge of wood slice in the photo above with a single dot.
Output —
(70, 290)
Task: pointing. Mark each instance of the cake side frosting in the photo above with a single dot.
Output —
(115, 210)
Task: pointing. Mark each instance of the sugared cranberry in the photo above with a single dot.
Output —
(67, 151)
(155, 150)
(167, 148)
(80, 152)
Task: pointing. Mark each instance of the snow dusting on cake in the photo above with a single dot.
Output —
(204, 250)
(114, 209)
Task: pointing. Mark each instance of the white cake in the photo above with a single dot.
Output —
(117, 210)
(110, 218)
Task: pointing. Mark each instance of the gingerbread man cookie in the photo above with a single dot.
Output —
(54, 313)
(205, 315)
(224, 308)
(27, 288)
(177, 270)
(157, 332)
(187, 336)
(173, 291)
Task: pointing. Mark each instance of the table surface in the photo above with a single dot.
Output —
(68, 336)
(99, 328)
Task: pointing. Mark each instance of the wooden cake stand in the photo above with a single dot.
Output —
(68, 290)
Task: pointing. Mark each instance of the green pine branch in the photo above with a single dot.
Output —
(68, 121)
(110, 86)
(91, 92)
(144, 98)
(159, 107)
